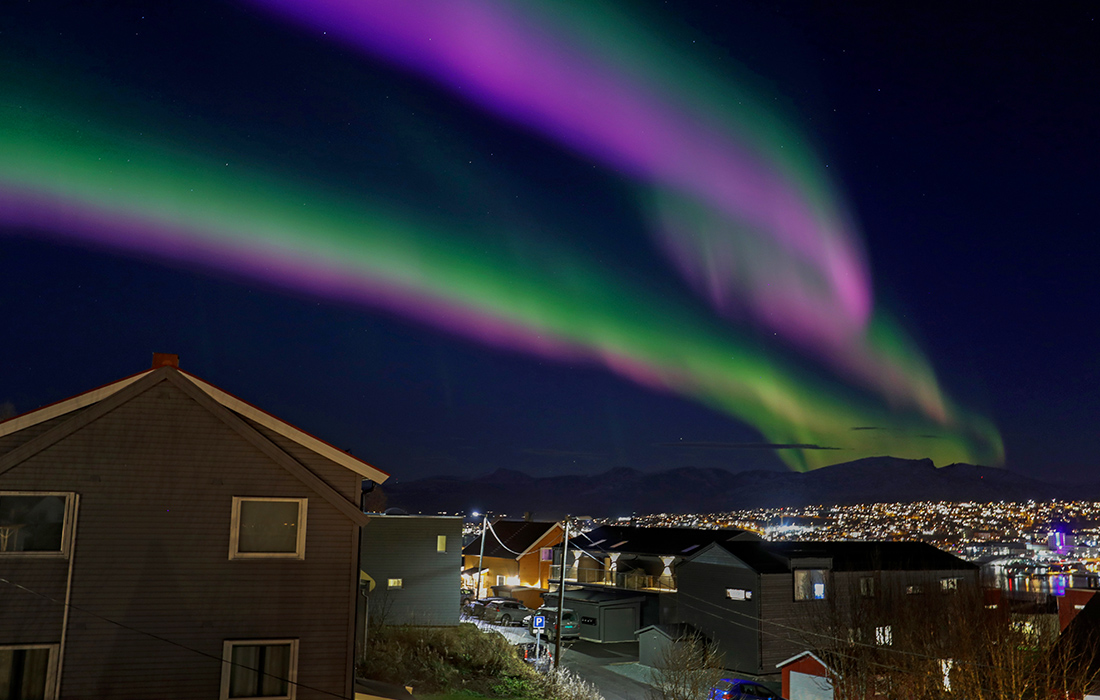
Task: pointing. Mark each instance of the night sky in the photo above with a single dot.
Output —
(563, 238)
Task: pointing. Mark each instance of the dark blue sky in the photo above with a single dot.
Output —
(964, 137)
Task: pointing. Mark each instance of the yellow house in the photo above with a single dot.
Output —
(516, 560)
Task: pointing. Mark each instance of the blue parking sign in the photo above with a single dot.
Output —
(538, 622)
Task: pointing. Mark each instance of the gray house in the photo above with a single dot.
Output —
(623, 578)
(163, 539)
(410, 569)
(760, 600)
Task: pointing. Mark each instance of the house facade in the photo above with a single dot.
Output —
(160, 538)
(410, 567)
(620, 579)
(516, 560)
(762, 602)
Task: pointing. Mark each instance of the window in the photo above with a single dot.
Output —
(949, 584)
(266, 528)
(260, 669)
(738, 594)
(546, 554)
(441, 543)
(915, 589)
(502, 581)
(884, 636)
(867, 587)
(34, 523)
(809, 584)
(28, 672)
(395, 583)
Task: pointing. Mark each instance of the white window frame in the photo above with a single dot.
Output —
(51, 665)
(227, 665)
(66, 525)
(235, 529)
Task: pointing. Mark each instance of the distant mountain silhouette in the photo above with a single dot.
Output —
(622, 491)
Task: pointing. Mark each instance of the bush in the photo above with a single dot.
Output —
(443, 659)
(563, 684)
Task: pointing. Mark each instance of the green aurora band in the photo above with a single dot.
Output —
(64, 176)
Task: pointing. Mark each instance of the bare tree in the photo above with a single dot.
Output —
(687, 669)
(925, 642)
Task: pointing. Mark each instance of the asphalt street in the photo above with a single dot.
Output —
(613, 668)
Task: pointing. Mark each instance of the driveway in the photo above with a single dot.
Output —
(613, 668)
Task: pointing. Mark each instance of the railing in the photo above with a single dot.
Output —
(631, 580)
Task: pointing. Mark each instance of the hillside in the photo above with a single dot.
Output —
(623, 491)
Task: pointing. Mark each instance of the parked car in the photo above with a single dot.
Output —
(571, 623)
(476, 608)
(505, 612)
(737, 689)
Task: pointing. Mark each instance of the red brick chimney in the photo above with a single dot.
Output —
(165, 359)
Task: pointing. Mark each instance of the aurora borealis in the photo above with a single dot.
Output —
(737, 279)
(68, 175)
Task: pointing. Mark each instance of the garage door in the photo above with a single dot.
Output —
(619, 624)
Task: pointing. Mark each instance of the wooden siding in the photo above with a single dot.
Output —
(154, 593)
(344, 482)
(404, 547)
(10, 442)
(532, 570)
(733, 624)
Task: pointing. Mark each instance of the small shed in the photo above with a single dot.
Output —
(654, 642)
(606, 615)
(806, 677)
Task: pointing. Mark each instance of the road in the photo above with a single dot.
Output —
(613, 668)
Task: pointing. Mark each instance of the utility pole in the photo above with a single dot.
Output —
(561, 596)
(481, 555)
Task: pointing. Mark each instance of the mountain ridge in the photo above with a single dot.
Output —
(625, 490)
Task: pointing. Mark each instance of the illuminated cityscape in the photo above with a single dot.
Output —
(1020, 539)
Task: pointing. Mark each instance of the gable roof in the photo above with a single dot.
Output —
(516, 538)
(83, 409)
(656, 541)
(238, 406)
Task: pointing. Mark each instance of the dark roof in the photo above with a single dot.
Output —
(516, 535)
(875, 556)
(658, 541)
(775, 557)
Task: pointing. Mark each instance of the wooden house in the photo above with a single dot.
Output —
(160, 538)
(515, 560)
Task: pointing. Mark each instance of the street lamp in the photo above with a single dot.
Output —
(481, 554)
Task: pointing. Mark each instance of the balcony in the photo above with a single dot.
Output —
(631, 580)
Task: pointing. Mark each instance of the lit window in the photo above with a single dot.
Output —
(546, 554)
(738, 594)
(33, 523)
(884, 636)
(394, 583)
(260, 669)
(264, 528)
(915, 589)
(28, 671)
(501, 581)
(949, 584)
(441, 543)
(809, 584)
